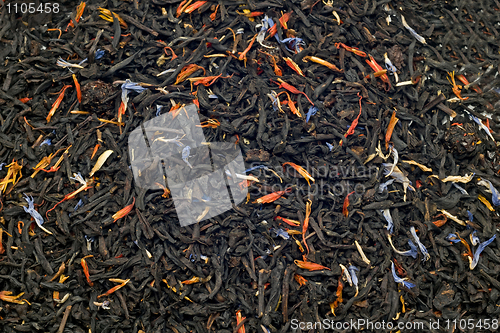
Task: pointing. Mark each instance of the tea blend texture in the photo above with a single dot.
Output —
(368, 131)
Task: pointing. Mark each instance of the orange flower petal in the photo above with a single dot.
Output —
(339, 297)
(293, 223)
(187, 71)
(464, 242)
(270, 197)
(306, 223)
(180, 9)
(354, 50)
(214, 14)
(192, 280)
(323, 62)
(301, 171)
(5, 296)
(194, 6)
(293, 66)
(300, 279)
(284, 19)
(112, 290)
(390, 129)
(86, 270)
(124, 211)
(292, 89)
(239, 319)
(57, 102)
(243, 55)
(440, 223)
(25, 99)
(78, 90)
(311, 266)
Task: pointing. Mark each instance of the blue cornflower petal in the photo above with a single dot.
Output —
(31, 209)
(78, 205)
(81, 62)
(311, 112)
(389, 66)
(495, 196)
(397, 175)
(400, 280)
(257, 167)
(158, 110)
(352, 270)
(382, 187)
(413, 252)
(388, 218)
(34, 214)
(481, 125)
(281, 233)
(295, 42)
(480, 249)
(420, 245)
(461, 189)
(474, 239)
(275, 104)
(274, 100)
(99, 54)
(471, 217)
(129, 85)
(452, 238)
(185, 155)
(269, 21)
(330, 146)
(47, 142)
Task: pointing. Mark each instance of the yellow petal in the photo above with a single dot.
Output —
(465, 179)
(486, 202)
(100, 161)
(421, 166)
(361, 253)
(5, 296)
(452, 217)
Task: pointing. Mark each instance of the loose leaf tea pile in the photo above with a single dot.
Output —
(370, 136)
